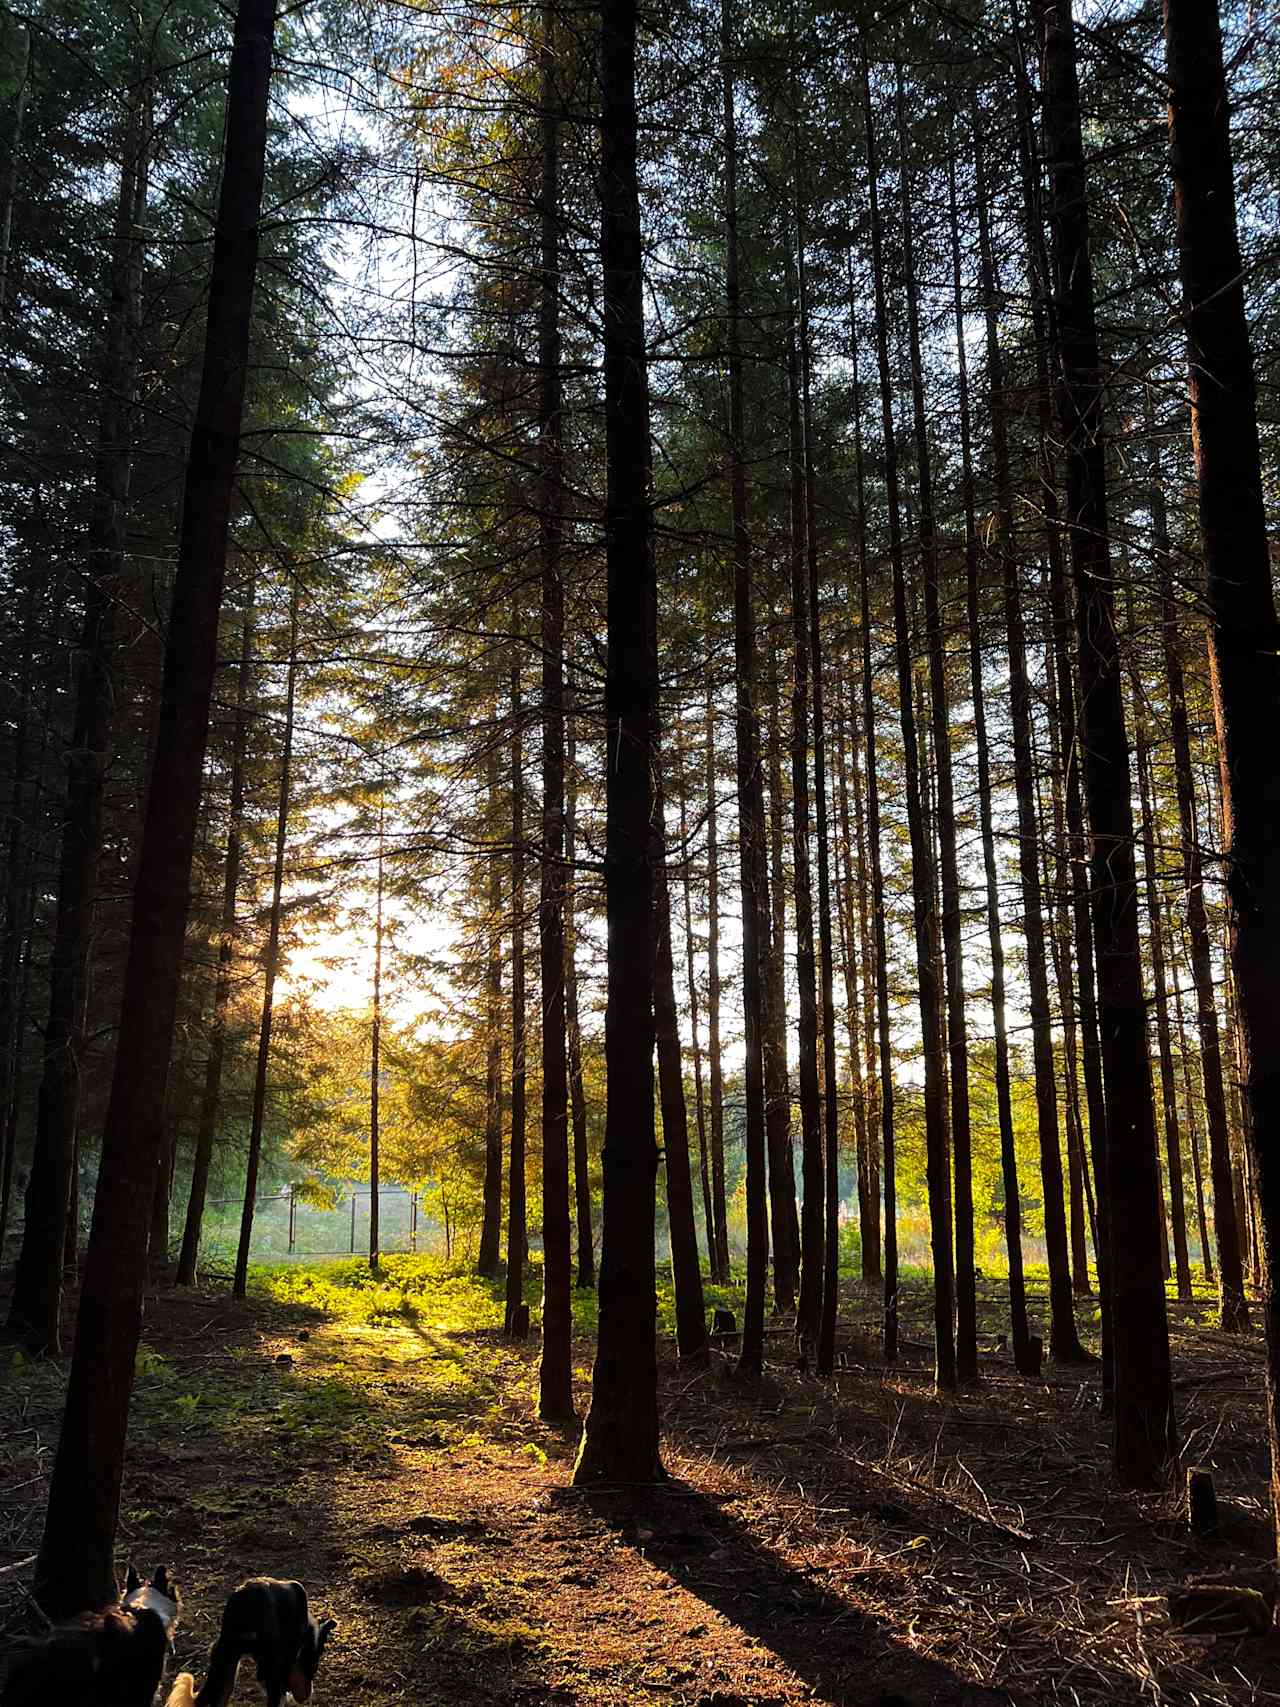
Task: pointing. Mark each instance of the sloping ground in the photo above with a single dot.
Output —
(850, 1547)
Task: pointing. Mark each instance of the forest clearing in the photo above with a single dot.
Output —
(639, 851)
(856, 1544)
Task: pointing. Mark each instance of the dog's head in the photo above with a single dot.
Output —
(306, 1665)
(159, 1597)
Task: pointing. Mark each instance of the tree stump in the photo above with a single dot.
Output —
(1221, 1609)
(1202, 1501)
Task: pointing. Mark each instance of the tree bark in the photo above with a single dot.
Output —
(271, 960)
(949, 870)
(928, 957)
(489, 1256)
(212, 1092)
(1069, 727)
(375, 1044)
(36, 1302)
(686, 1272)
(809, 1304)
(782, 1167)
(586, 1275)
(1024, 1360)
(704, 1166)
(555, 1368)
(1155, 938)
(1244, 636)
(720, 1266)
(752, 870)
(1145, 1439)
(515, 1319)
(74, 1569)
(1188, 1103)
(1234, 1312)
(620, 1437)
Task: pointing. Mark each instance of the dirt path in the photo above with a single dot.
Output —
(873, 1546)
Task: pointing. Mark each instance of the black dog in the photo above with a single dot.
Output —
(111, 1658)
(267, 1621)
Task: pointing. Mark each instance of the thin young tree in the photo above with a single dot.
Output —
(211, 1094)
(585, 1277)
(939, 702)
(516, 1313)
(750, 785)
(1025, 1358)
(555, 1368)
(489, 1255)
(270, 958)
(928, 958)
(375, 1037)
(1234, 1312)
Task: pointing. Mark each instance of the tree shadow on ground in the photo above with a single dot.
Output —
(846, 1656)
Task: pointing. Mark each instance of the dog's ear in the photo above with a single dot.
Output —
(164, 1582)
(131, 1580)
(326, 1629)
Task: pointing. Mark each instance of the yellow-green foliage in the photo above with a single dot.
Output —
(404, 1285)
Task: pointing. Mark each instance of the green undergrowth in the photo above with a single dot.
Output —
(447, 1297)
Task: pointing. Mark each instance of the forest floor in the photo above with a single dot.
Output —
(849, 1543)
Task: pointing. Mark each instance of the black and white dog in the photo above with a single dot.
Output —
(269, 1622)
(111, 1658)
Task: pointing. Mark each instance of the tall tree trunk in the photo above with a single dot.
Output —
(271, 960)
(1234, 1307)
(1026, 1361)
(1244, 639)
(28, 890)
(517, 1208)
(586, 1261)
(928, 957)
(620, 1438)
(871, 978)
(782, 1167)
(74, 1569)
(1164, 1050)
(1057, 882)
(489, 1257)
(555, 1369)
(752, 868)
(846, 885)
(700, 1108)
(949, 870)
(1145, 1431)
(1188, 1103)
(19, 840)
(212, 1092)
(375, 1044)
(719, 1207)
(37, 1288)
(809, 1305)
(686, 1272)
(872, 967)
(1069, 728)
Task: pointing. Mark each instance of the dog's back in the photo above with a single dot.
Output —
(104, 1659)
(264, 1620)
